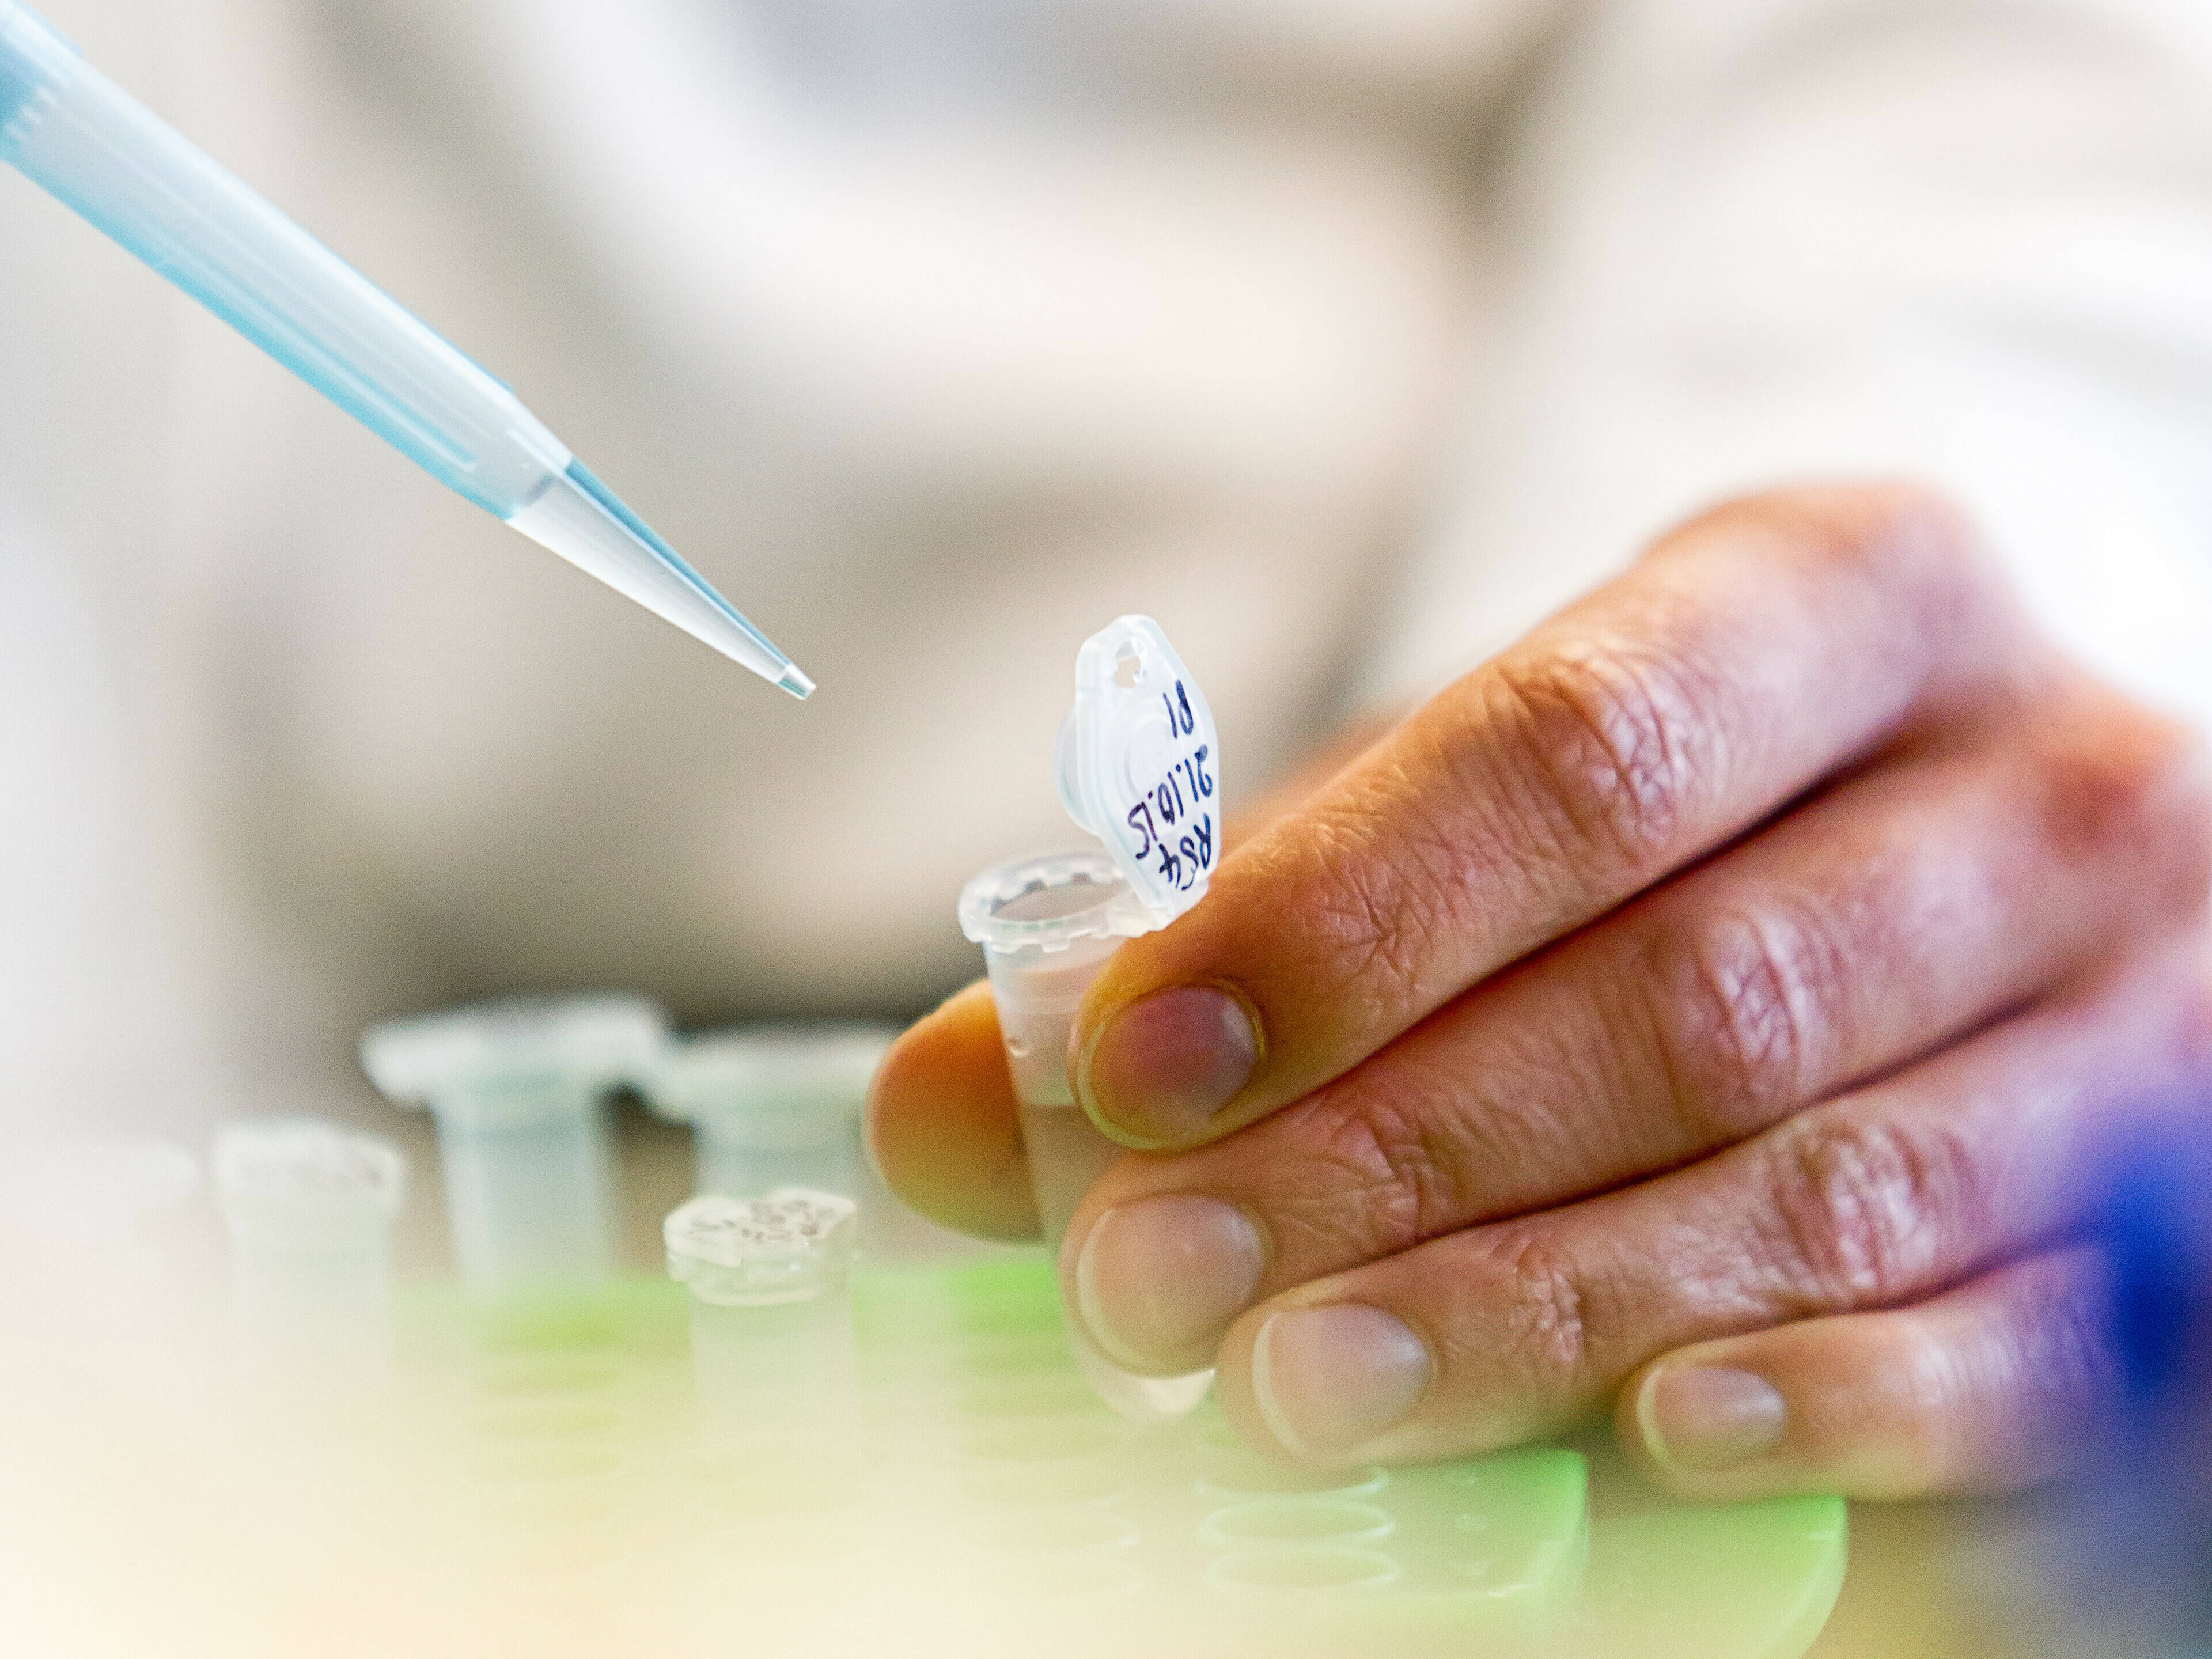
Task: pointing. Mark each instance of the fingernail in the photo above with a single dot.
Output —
(1328, 1379)
(1158, 1279)
(1709, 1417)
(1168, 1062)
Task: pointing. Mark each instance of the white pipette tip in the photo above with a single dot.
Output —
(586, 524)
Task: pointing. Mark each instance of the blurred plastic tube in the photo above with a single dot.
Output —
(772, 1346)
(309, 1208)
(519, 1089)
(773, 1106)
(107, 1215)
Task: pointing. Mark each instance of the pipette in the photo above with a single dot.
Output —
(83, 139)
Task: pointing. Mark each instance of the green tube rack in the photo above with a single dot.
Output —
(560, 1501)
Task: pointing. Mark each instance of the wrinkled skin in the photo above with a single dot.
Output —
(1701, 1009)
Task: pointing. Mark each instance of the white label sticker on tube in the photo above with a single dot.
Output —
(1139, 765)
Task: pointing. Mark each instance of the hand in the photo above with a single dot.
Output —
(1702, 1007)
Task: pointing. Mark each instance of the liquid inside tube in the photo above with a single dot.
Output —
(1046, 925)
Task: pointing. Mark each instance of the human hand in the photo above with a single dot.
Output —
(1701, 1006)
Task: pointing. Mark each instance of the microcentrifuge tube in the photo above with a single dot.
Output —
(1046, 926)
(309, 1208)
(772, 1348)
(1138, 767)
(773, 1106)
(519, 1089)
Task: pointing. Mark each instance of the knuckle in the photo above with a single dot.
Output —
(1613, 737)
(1552, 1327)
(2192, 1014)
(2135, 785)
(1393, 1171)
(2004, 1402)
(1886, 529)
(1746, 1004)
(1539, 1331)
(2069, 1352)
(1389, 921)
(1346, 1197)
(1869, 1212)
(1945, 597)
(1914, 1382)
(1380, 896)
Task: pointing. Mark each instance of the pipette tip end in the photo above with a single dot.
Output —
(586, 524)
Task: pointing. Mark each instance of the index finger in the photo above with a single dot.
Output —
(944, 1130)
(1748, 655)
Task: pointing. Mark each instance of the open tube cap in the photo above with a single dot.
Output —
(1139, 765)
(1050, 901)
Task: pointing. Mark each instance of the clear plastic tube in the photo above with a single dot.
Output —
(309, 1208)
(1138, 764)
(519, 1090)
(1047, 926)
(772, 1347)
(528, 1191)
(774, 1106)
(97, 150)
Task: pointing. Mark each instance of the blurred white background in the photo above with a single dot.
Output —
(1345, 338)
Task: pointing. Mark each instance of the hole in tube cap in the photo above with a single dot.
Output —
(1050, 901)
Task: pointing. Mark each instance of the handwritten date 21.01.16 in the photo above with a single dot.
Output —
(1173, 823)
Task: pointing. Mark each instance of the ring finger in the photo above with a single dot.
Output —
(1995, 1384)
(1878, 1198)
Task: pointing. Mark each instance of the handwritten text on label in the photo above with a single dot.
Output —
(1173, 823)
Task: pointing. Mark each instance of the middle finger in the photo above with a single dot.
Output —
(1879, 1199)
